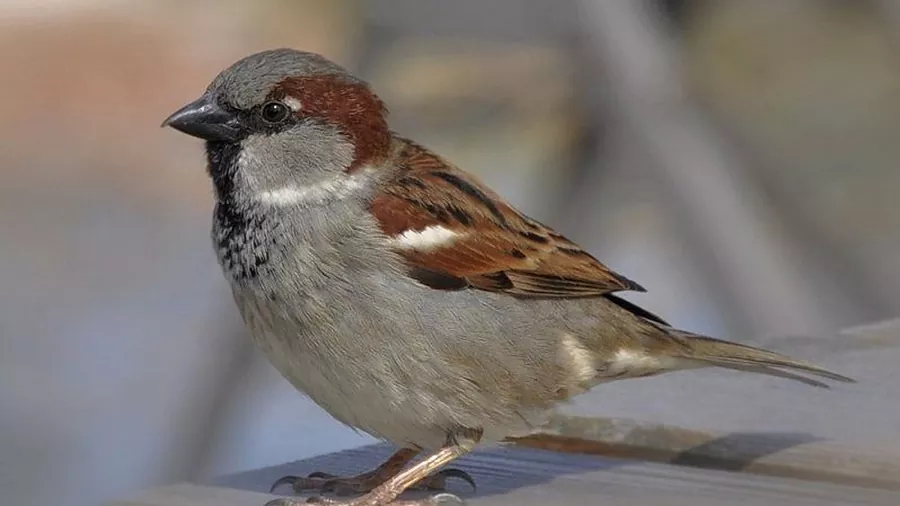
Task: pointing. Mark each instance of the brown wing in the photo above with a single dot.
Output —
(494, 248)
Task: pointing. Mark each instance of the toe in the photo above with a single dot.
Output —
(280, 482)
(313, 483)
(320, 474)
(320, 482)
(345, 487)
(284, 501)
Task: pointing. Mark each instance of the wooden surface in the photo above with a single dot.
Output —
(520, 477)
(782, 455)
(698, 438)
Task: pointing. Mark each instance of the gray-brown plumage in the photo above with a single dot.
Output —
(397, 291)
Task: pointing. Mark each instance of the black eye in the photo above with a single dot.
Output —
(275, 112)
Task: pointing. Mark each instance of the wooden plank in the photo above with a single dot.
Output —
(190, 494)
(519, 476)
(794, 456)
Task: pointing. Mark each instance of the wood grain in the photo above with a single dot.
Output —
(522, 477)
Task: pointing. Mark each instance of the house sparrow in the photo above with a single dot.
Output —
(399, 292)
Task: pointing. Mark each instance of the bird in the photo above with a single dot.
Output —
(400, 293)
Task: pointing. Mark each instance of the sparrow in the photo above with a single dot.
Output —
(400, 293)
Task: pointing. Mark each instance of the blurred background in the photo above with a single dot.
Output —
(739, 159)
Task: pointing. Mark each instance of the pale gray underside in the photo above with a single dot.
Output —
(336, 315)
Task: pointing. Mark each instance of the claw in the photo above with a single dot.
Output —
(284, 480)
(322, 482)
(457, 473)
(438, 480)
(335, 486)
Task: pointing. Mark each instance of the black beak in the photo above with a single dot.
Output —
(206, 119)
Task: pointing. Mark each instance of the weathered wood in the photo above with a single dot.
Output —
(190, 494)
(517, 476)
(725, 420)
(793, 456)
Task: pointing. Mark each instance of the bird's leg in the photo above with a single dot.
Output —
(365, 482)
(386, 493)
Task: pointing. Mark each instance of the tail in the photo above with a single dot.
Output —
(707, 351)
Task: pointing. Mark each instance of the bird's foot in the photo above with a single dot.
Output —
(388, 481)
(372, 499)
(366, 482)
(442, 499)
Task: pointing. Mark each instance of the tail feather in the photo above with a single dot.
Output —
(771, 371)
(716, 352)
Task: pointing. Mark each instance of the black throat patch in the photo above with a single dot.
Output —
(239, 228)
(221, 164)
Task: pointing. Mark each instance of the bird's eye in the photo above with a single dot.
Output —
(275, 112)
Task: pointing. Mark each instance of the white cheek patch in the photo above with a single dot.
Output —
(290, 195)
(293, 103)
(426, 239)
